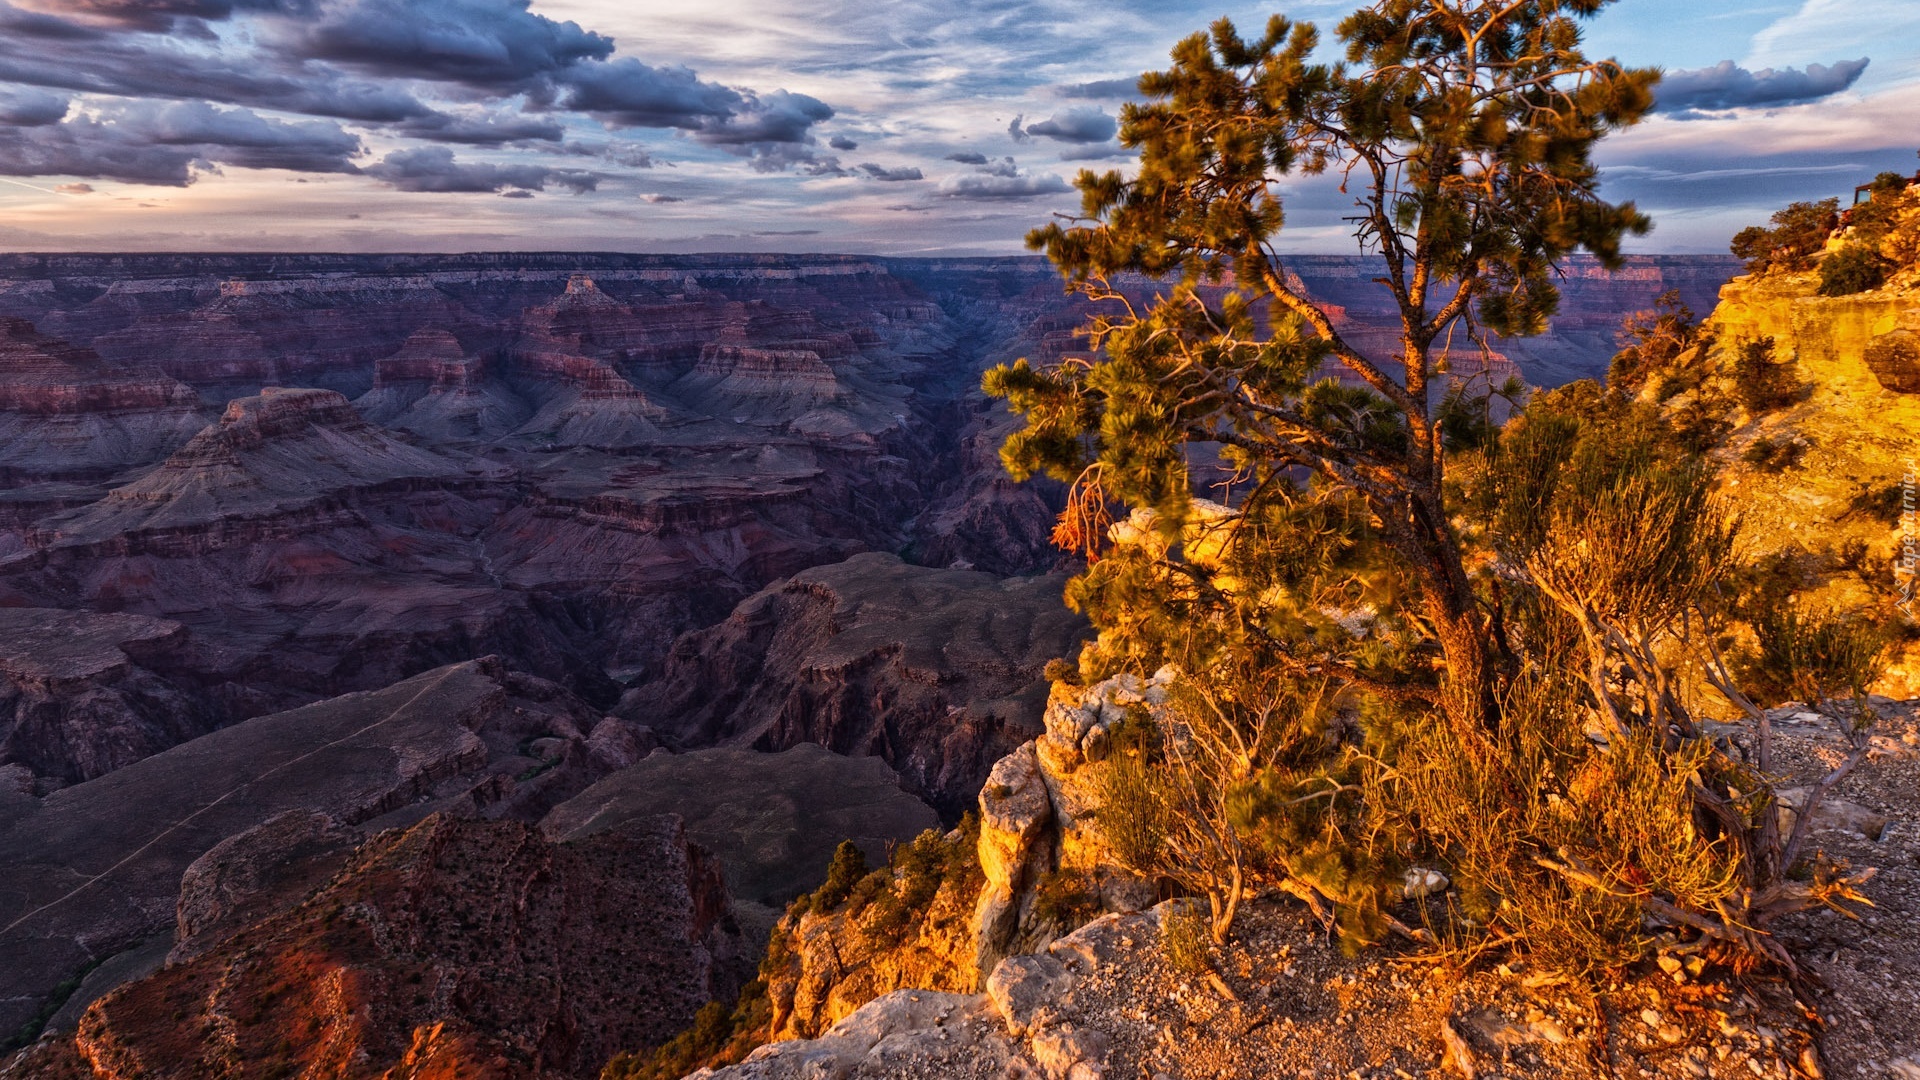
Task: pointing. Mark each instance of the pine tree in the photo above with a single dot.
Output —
(1494, 610)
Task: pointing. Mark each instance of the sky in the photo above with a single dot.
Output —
(895, 127)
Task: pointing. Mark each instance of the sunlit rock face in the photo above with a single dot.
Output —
(453, 947)
(1833, 511)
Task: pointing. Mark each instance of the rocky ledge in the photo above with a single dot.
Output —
(1148, 995)
(468, 948)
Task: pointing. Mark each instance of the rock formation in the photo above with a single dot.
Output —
(936, 671)
(80, 696)
(773, 820)
(475, 948)
(96, 867)
(232, 654)
(1828, 501)
(436, 389)
(67, 414)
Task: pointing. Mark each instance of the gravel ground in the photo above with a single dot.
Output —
(1867, 973)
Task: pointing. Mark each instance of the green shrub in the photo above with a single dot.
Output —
(848, 868)
(1184, 943)
(1066, 899)
(1855, 268)
(1652, 342)
(1762, 381)
(1799, 231)
(719, 1037)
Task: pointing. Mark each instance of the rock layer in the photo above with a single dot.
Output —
(96, 867)
(454, 946)
(938, 672)
(80, 696)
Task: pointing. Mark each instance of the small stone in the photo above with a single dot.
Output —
(1650, 1018)
(1423, 883)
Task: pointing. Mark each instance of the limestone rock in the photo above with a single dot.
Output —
(82, 694)
(255, 871)
(1894, 359)
(446, 942)
(1021, 987)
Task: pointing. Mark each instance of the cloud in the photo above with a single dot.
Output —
(158, 15)
(75, 189)
(777, 117)
(86, 147)
(656, 197)
(968, 157)
(172, 72)
(1017, 132)
(163, 144)
(434, 169)
(841, 142)
(995, 186)
(427, 69)
(628, 93)
(1103, 88)
(877, 172)
(1095, 152)
(488, 44)
(27, 107)
(241, 137)
(773, 157)
(485, 129)
(1726, 85)
(517, 193)
(1086, 124)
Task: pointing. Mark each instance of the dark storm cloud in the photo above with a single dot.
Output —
(239, 137)
(841, 142)
(30, 24)
(1726, 85)
(778, 117)
(26, 107)
(128, 68)
(487, 44)
(880, 172)
(485, 130)
(629, 93)
(969, 157)
(86, 147)
(434, 169)
(1079, 125)
(159, 15)
(1103, 89)
(466, 72)
(155, 143)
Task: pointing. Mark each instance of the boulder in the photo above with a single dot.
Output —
(1894, 359)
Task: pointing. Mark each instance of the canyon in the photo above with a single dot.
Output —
(483, 559)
